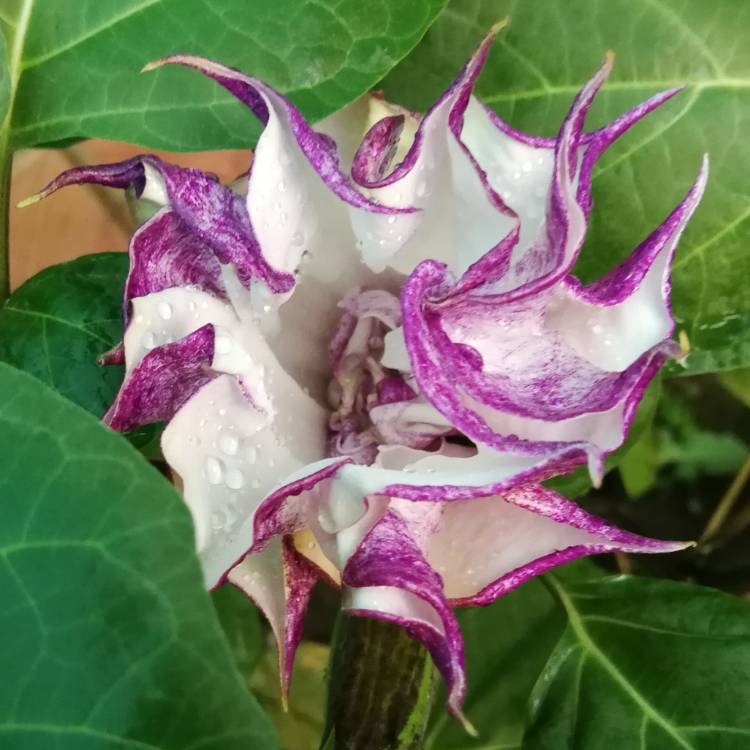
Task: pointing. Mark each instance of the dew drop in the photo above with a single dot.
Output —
(297, 239)
(251, 454)
(139, 318)
(526, 166)
(391, 219)
(281, 186)
(255, 484)
(165, 310)
(283, 217)
(271, 463)
(516, 175)
(222, 412)
(597, 328)
(422, 189)
(194, 440)
(229, 444)
(234, 479)
(149, 342)
(213, 470)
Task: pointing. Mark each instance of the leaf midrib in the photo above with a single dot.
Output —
(576, 625)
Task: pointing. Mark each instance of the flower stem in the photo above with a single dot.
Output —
(380, 688)
(724, 508)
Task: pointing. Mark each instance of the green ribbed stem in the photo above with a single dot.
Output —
(381, 685)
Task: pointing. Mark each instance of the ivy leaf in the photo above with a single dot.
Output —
(107, 638)
(535, 69)
(644, 663)
(57, 324)
(323, 53)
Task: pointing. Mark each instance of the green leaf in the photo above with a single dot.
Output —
(737, 382)
(645, 664)
(57, 324)
(107, 638)
(240, 621)
(507, 645)
(533, 72)
(640, 465)
(324, 53)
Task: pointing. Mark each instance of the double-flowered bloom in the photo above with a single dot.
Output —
(368, 369)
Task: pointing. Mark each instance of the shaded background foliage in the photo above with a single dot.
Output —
(576, 659)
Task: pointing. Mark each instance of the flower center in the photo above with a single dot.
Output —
(372, 404)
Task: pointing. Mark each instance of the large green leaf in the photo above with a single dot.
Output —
(107, 638)
(535, 69)
(645, 664)
(57, 324)
(74, 63)
(507, 645)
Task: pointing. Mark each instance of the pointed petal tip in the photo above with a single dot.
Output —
(154, 64)
(31, 200)
(498, 26)
(468, 727)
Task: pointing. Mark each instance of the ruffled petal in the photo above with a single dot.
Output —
(163, 381)
(461, 217)
(216, 214)
(615, 320)
(485, 547)
(280, 581)
(388, 578)
(165, 253)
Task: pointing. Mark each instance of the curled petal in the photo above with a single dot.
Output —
(280, 581)
(165, 253)
(289, 162)
(163, 381)
(215, 214)
(539, 530)
(389, 578)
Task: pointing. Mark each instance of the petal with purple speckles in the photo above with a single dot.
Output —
(487, 546)
(388, 577)
(280, 581)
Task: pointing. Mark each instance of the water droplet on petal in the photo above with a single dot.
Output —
(213, 470)
(251, 454)
(229, 444)
(149, 341)
(194, 440)
(297, 239)
(422, 189)
(391, 219)
(165, 310)
(234, 479)
(255, 484)
(281, 186)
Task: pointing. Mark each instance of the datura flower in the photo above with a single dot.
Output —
(368, 369)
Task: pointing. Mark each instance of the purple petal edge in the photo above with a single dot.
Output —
(163, 381)
(388, 557)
